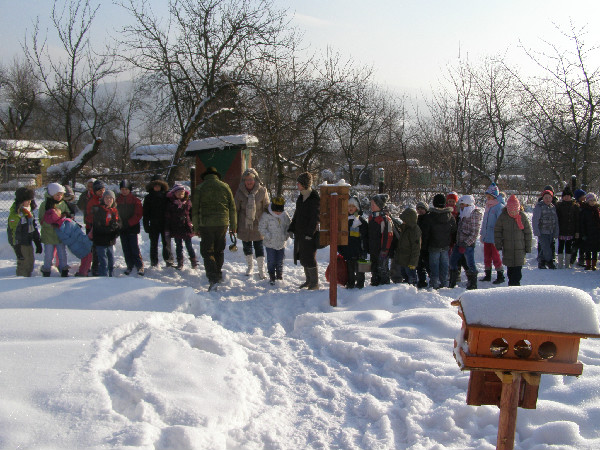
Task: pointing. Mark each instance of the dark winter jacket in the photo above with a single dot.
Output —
(511, 240)
(408, 246)
(22, 227)
(568, 218)
(131, 212)
(154, 206)
(94, 200)
(438, 228)
(589, 227)
(178, 219)
(305, 223)
(544, 219)
(381, 235)
(106, 225)
(358, 239)
(213, 204)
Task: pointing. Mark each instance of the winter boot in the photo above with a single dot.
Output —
(550, 264)
(250, 263)
(307, 282)
(194, 263)
(499, 277)
(46, 273)
(260, 262)
(272, 277)
(179, 265)
(453, 278)
(125, 272)
(588, 264)
(279, 273)
(313, 275)
(561, 261)
(594, 262)
(488, 275)
(471, 280)
(141, 271)
(64, 273)
(541, 265)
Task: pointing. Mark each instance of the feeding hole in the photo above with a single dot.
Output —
(547, 350)
(523, 348)
(499, 347)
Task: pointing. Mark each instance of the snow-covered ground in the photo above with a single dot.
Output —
(157, 362)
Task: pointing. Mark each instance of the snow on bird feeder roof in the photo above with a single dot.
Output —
(221, 142)
(558, 309)
(154, 152)
(341, 182)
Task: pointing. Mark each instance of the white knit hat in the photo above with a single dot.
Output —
(466, 200)
(55, 188)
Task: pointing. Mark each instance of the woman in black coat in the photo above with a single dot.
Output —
(305, 226)
(154, 207)
(589, 230)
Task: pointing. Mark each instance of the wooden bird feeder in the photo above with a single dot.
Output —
(334, 226)
(511, 336)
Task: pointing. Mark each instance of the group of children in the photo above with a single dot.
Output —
(434, 242)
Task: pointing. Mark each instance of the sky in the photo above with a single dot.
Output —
(409, 44)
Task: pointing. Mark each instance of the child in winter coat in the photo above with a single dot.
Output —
(545, 227)
(130, 212)
(105, 229)
(408, 246)
(439, 231)
(468, 228)
(54, 199)
(154, 206)
(273, 226)
(23, 232)
(493, 209)
(567, 212)
(178, 224)
(358, 244)
(589, 230)
(513, 236)
(380, 240)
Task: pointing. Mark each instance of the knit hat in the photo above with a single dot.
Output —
(439, 201)
(567, 191)
(277, 204)
(91, 180)
(492, 190)
(211, 171)
(548, 192)
(353, 200)
(452, 195)
(178, 187)
(55, 188)
(513, 208)
(24, 193)
(109, 193)
(549, 188)
(379, 199)
(421, 205)
(305, 179)
(578, 193)
(591, 197)
(125, 184)
(157, 177)
(250, 172)
(466, 200)
(98, 184)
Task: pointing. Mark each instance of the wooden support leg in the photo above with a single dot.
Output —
(509, 402)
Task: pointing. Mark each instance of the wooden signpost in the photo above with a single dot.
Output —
(334, 227)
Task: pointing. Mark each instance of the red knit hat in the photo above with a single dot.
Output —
(548, 192)
(452, 195)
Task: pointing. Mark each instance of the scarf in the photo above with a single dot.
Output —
(491, 203)
(27, 218)
(250, 210)
(513, 208)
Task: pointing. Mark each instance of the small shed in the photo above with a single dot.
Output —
(157, 157)
(230, 155)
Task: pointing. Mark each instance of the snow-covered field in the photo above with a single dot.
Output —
(157, 362)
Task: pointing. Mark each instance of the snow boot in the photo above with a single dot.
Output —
(64, 273)
(541, 265)
(194, 263)
(45, 273)
(313, 275)
(127, 271)
(141, 271)
(488, 276)
(307, 282)
(499, 277)
(453, 278)
(272, 277)
(260, 262)
(471, 280)
(179, 265)
(250, 264)
(550, 264)
(561, 261)
(279, 273)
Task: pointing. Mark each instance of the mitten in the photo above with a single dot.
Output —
(461, 250)
(38, 247)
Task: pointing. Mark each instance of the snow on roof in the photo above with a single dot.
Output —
(155, 152)
(549, 308)
(221, 142)
(23, 149)
(341, 182)
(53, 145)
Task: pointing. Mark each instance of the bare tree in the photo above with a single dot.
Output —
(198, 53)
(20, 92)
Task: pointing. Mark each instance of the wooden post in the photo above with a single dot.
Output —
(333, 245)
(509, 402)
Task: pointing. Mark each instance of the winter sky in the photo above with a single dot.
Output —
(408, 43)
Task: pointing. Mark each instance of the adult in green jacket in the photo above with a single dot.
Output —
(213, 210)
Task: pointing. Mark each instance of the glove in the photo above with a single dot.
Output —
(18, 252)
(461, 250)
(38, 247)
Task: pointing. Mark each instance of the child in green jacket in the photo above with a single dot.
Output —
(23, 232)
